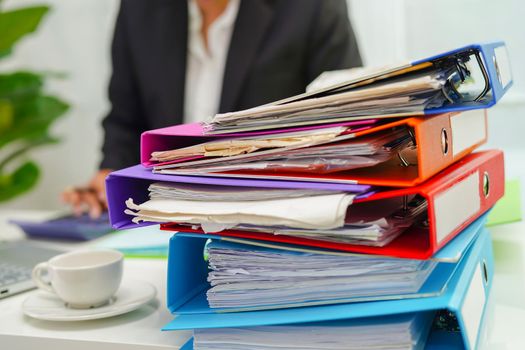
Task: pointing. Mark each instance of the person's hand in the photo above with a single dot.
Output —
(91, 198)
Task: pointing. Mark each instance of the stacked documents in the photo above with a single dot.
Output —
(329, 210)
(403, 95)
(326, 211)
(314, 214)
(273, 153)
(404, 332)
(254, 277)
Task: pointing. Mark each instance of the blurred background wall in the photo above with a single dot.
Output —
(75, 38)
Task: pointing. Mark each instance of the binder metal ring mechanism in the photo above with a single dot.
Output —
(484, 68)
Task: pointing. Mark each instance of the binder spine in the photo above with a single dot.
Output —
(497, 64)
(448, 137)
(433, 136)
(448, 215)
(458, 201)
(471, 308)
(468, 130)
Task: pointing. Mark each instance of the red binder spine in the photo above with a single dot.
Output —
(454, 204)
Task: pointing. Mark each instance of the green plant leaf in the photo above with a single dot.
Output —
(6, 115)
(32, 118)
(22, 148)
(16, 24)
(19, 181)
(20, 83)
(5, 53)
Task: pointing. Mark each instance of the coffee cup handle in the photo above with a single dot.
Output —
(37, 277)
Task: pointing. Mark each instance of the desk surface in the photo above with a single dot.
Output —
(139, 329)
(504, 326)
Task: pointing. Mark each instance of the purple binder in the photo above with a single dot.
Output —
(133, 183)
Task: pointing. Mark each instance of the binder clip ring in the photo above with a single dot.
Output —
(449, 89)
(485, 272)
(403, 160)
(485, 76)
(444, 141)
(486, 184)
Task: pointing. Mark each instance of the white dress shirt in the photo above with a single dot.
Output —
(205, 67)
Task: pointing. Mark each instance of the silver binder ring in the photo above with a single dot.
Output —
(403, 160)
(485, 272)
(444, 141)
(486, 184)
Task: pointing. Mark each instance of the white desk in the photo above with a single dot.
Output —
(504, 326)
(139, 329)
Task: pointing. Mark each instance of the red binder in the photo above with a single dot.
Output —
(455, 197)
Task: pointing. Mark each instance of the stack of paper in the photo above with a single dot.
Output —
(406, 94)
(326, 211)
(403, 332)
(374, 229)
(241, 145)
(324, 215)
(320, 155)
(210, 193)
(242, 276)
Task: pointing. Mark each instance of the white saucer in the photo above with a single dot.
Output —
(130, 296)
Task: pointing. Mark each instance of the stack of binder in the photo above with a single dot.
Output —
(350, 217)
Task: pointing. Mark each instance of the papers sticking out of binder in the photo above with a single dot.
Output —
(402, 95)
(317, 212)
(210, 193)
(362, 227)
(313, 214)
(243, 276)
(321, 156)
(472, 77)
(407, 331)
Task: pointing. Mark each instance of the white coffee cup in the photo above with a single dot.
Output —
(82, 279)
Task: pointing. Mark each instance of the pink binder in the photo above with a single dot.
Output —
(184, 135)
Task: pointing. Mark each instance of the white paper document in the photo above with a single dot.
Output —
(310, 212)
(243, 145)
(406, 95)
(214, 193)
(313, 214)
(400, 332)
(362, 227)
(243, 276)
(344, 153)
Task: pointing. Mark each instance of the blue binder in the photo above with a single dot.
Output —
(187, 272)
(464, 297)
(491, 59)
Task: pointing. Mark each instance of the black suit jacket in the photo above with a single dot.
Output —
(277, 48)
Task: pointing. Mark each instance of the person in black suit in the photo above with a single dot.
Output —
(271, 49)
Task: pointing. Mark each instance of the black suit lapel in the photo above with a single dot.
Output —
(252, 22)
(172, 58)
